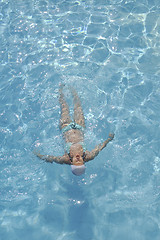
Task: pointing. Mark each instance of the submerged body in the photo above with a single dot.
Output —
(75, 154)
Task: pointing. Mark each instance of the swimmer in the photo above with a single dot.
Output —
(75, 154)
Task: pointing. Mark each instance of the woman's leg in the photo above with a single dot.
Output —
(78, 112)
(65, 117)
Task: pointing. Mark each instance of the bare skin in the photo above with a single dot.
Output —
(74, 136)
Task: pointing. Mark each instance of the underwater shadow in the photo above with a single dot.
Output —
(80, 215)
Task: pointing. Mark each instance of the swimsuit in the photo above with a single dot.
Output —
(70, 126)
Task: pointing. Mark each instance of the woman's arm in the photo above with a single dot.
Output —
(61, 160)
(91, 155)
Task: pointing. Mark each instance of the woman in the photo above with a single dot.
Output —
(75, 154)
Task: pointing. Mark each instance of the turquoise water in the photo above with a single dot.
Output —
(110, 51)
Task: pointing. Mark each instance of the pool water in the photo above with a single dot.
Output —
(110, 52)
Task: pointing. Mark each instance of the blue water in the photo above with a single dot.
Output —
(110, 51)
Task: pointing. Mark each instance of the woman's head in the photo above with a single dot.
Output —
(77, 158)
(77, 154)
